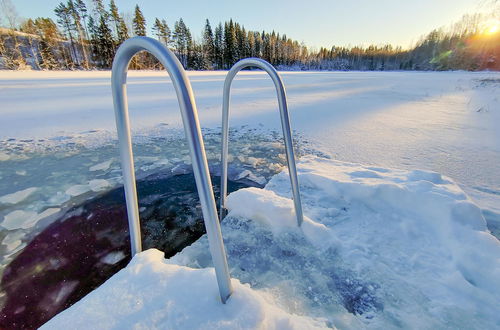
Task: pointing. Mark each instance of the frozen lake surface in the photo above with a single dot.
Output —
(58, 146)
(440, 121)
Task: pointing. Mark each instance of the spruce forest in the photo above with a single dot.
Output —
(87, 38)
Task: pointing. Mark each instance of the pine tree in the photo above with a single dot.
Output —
(82, 12)
(209, 46)
(106, 43)
(92, 31)
(47, 33)
(114, 17)
(139, 22)
(180, 38)
(99, 7)
(10, 46)
(122, 31)
(64, 20)
(162, 31)
(78, 27)
(251, 44)
(219, 46)
(119, 27)
(230, 55)
(257, 52)
(166, 33)
(194, 58)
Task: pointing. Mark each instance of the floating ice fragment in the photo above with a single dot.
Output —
(101, 166)
(63, 292)
(146, 159)
(113, 257)
(250, 176)
(78, 189)
(59, 198)
(12, 252)
(12, 245)
(4, 157)
(163, 161)
(180, 169)
(20, 219)
(253, 161)
(98, 184)
(18, 196)
(13, 240)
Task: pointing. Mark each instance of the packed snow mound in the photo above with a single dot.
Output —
(152, 294)
(379, 248)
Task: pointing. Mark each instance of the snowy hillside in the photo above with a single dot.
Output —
(379, 248)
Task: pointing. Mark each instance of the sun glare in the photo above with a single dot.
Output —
(494, 28)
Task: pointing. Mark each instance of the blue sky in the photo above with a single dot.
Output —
(315, 22)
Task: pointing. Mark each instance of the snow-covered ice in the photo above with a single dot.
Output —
(439, 121)
(379, 248)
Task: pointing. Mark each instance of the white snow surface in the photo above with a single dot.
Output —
(152, 294)
(401, 248)
(440, 121)
(379, 248)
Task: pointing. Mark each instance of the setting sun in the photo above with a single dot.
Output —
(494, 28)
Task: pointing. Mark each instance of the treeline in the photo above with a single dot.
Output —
(87, 38)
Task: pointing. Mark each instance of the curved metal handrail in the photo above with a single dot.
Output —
(285, 124)
(193, 134)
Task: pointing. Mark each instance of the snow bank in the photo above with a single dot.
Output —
(378, 248)
(152, 294)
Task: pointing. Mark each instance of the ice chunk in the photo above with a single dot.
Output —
(20, 219)
(146, 159)
(13, 241)
(59, 198)
(250, 176)
(278, 214)
(18, 196)
(4, 156)
(99, 184)
(101, 166)
(77, 189)
(113, 257)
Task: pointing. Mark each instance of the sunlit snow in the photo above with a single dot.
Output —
(379, 247)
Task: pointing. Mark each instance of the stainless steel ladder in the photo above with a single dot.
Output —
(189, 115)
(285, 125)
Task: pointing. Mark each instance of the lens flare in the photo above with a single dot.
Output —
(494, 28)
